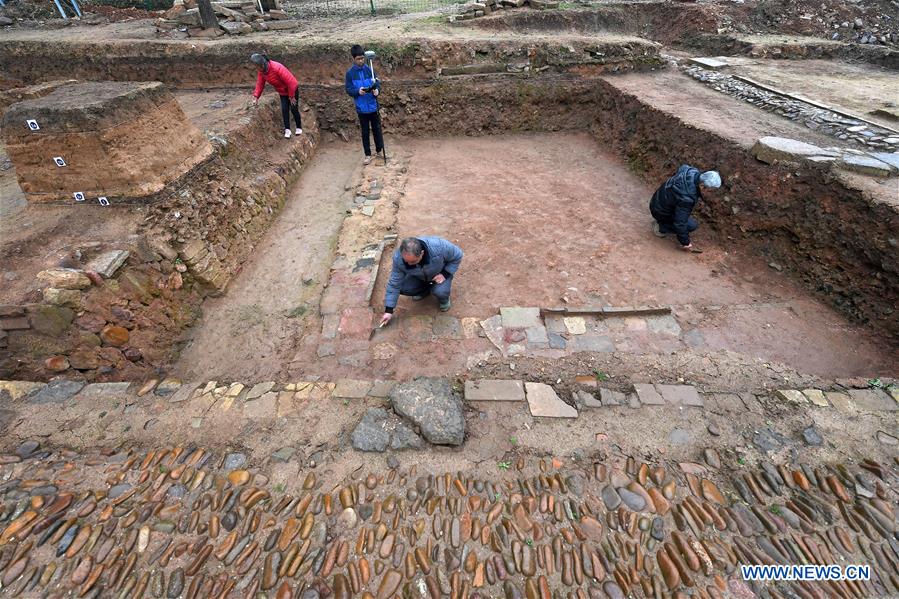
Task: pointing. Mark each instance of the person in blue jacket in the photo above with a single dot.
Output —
(364, 89)
(422, 266)
(673, 202)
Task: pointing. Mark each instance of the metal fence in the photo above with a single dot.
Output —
(339, 8)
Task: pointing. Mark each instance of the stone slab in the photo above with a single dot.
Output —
(816, 396)
(873, 400)
(104, 391)
(773, 149)
(108, 263)
(681, 395)
(537, 335)
(648, 394)
(608, 397)
(351, 389)
(594, 343)
(557, 341)
(515, 317)
(543, 402)
(493, 329)
(663, 325)
(791, 395)
(841, 401)
(447, 327)
(259, 389)
(265, 406)
(866, 165)
(587, 399)
(706, 62)
(56, 392)
(575, 325)
(891, 158)
(19, 389)
(381, 389)
(494, 390)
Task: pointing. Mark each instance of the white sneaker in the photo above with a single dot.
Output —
(287, 134)
(298, 132)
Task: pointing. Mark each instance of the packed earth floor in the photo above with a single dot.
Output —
(544, 220)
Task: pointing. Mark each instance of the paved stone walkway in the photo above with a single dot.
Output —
(71, 405)
(188, 522)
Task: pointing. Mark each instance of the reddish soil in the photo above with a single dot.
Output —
(538, 215)
(270, 303)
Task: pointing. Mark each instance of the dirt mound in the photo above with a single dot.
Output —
(101, 139)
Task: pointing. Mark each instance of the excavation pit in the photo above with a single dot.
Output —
(544, 182)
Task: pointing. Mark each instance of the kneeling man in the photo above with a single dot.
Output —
(422, 266)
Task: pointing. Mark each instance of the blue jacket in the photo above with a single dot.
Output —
(357, 77)
(441, 257)
(675, 199)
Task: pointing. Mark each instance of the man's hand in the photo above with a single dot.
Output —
(294, 101)
(361, 91)
(375, 92)
(385, 319)
(439, 279)
(255, 102)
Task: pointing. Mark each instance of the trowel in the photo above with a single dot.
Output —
(375, 330)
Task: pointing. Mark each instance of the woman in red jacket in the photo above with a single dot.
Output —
(284, 83)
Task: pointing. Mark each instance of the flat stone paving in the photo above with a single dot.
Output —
(194, 523)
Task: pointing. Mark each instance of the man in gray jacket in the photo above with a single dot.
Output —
(422, 266)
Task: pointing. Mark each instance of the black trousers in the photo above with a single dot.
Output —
(287, 108)
(371, 120)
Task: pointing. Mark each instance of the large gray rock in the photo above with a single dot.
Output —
(432, 406)
(380, 429)
(372, 434)
(404, 437)
(108, 263)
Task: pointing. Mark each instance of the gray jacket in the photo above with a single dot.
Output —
(441, 256)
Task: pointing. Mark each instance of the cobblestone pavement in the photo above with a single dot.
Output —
(815, 117)
(189, 522)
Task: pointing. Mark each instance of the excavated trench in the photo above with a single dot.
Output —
(827, 238)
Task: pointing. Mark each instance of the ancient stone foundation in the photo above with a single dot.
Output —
(109, 140)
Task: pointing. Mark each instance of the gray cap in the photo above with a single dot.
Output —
(260, 59)
(710, 179)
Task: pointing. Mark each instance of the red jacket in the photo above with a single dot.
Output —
(281, 79)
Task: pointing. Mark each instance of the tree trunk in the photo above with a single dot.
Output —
(207, 15)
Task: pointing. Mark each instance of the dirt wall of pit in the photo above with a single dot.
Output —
(840, 243)
(196, 234)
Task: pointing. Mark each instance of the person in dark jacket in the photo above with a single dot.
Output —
(673, 202)
(422, 266)
(361, 85)
(280, 77)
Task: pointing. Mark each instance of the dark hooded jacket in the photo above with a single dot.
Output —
(673, 202)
